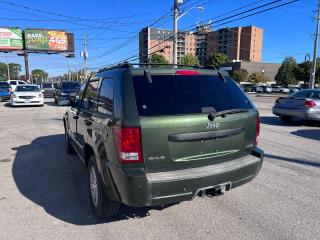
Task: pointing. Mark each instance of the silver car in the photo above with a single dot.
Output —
(304, 104)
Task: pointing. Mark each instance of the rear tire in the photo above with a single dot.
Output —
(69, 148)
(101, 205)
(286, 119)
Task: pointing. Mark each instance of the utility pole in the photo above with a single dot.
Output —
(175, 30)
(84, 55)
(8, 71)
(315, 51)
(68, 69)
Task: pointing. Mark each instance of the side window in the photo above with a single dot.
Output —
(13, 82)
(315, 95)
(20, 82)
(105, 104)
(89, 100)
(301, 94)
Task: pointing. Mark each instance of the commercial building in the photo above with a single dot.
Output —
(239, 43)
(270, 70)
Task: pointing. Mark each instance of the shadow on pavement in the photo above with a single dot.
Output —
(54, 104)
(276, 121)
(292, 160)
(47, 176)
(308, 133)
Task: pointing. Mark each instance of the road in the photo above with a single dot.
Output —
(43, 192)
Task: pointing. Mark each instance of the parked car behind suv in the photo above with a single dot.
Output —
(66, 92)
(15, 83)
(5, 91)
(304, 104)
(155, 136)
(48, 90)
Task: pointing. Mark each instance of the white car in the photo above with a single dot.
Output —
(15, 83)
(26, 95)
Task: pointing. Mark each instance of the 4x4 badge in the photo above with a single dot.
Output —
(212, 125)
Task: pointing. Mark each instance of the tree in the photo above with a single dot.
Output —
(3, 72)
(240, 75)
(285, 75)
(157, 58)
(14, 72)
(38, 75)
(256, 78)
(302, 71)
(15, 69)
(190, 59)
(216, 59)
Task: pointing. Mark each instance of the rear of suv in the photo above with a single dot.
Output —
(154, 136)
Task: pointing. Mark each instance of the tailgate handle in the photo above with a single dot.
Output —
(189, 137)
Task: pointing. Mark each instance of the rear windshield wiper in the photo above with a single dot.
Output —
(223, 113)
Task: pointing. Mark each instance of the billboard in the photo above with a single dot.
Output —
(11, 39)
(46, 40)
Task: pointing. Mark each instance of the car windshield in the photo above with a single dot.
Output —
(4, 85)
(22, 88)
(175, 95)
(47, 85)
(70, 85)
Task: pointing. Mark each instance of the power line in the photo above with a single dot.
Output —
(127, 42)
(265, 10)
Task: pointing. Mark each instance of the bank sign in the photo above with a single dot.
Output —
(11, 39)
(46, 40)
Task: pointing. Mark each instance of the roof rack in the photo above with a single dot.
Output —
(131, 65)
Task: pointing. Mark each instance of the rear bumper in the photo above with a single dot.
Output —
(308, 114)
(137, 189)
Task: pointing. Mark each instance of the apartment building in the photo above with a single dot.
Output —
(239, 43)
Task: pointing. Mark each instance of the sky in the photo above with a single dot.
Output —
(112, 27)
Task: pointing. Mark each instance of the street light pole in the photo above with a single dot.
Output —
(315, 51)
(176, 17)
(175, 31)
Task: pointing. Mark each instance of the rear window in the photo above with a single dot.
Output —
(47, 85)
(70, 85)
(177, 95)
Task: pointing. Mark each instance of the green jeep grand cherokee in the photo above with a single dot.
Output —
(154, 136)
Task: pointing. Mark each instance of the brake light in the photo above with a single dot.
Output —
(309, 104)
(128, 142)
(187, 72)
(255, 142)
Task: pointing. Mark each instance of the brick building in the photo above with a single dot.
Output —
(239, 43)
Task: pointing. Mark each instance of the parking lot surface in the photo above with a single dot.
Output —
(43, 193)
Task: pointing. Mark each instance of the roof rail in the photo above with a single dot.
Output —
(131, 65)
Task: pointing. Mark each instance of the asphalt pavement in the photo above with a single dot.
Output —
(43, 191)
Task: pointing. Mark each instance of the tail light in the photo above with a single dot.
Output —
(187, 72)
(255, 141)
(128, 142)
(309, 104)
